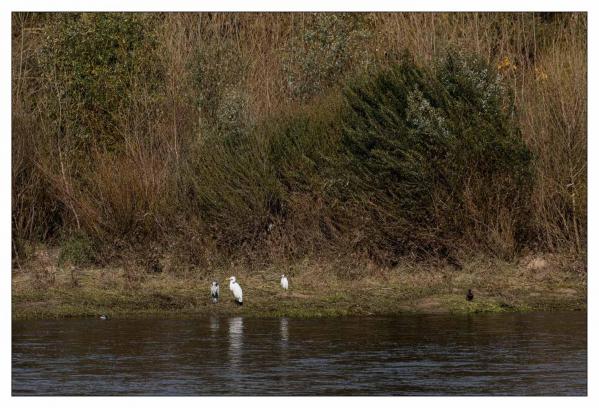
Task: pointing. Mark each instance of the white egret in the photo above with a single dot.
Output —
(214, 291)
(236, 290)
(284, 282)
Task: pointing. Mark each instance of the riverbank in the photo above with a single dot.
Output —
(43, 290)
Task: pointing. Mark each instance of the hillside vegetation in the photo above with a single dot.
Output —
(262, 138)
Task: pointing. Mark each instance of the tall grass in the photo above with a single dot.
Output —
(219, 135)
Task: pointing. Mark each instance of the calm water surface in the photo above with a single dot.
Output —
(495, 354)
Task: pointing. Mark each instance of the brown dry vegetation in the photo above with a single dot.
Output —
(169, 140)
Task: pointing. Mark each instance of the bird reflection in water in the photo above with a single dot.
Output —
(284, 329)
(214, 325)
(235, 341)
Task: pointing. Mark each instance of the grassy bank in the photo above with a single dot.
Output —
(43, 290)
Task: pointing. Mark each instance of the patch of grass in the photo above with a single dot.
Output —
(458, 304)
(336, 297)
(498, 287)
(77, 250)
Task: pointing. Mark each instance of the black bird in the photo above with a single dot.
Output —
(469, 295)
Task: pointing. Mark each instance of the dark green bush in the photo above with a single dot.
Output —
(78, 249)
(231, 188)
(303, 145)
(435, 155)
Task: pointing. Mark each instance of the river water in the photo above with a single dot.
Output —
(485, 354)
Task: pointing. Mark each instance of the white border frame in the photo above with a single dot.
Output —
(8, 6)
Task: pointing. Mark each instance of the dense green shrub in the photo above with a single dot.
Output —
(303, 144)
(93, 62)
(231, 188)
(435, 154)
